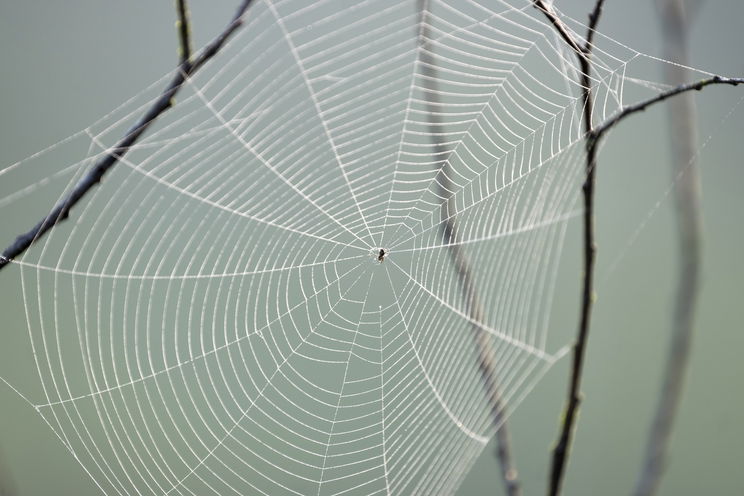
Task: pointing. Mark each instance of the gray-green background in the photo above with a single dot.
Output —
(65, 64)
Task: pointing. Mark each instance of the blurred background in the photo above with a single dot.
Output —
(66, 64)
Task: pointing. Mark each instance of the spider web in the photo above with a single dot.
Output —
(236, 332)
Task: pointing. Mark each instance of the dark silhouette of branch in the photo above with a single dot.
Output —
(600, 130)
(583, 53)
(476, 312)
(186, 69)
(184, 31)
(593, 136)
(674, 19)
(560, 27)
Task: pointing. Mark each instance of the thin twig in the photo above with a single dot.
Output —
(674, 20)
(482, 340)
(583, 54)
(184, 31)
(600, 130)
(592, 28)
(594, 134)
(186, 69)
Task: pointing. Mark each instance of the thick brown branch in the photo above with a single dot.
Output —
(475, 309)
(186, 69)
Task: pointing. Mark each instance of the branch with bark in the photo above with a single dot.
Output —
(187, 67)
(583, 53)
(593, 134)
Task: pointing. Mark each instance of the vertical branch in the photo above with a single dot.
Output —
(183, 24)
(674, 23)
(689, 228)
(475, 309)
(688, 200)
(583, 53)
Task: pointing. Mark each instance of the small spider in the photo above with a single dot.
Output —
(381, 255)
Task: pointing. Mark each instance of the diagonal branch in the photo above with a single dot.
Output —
(476, 312)
(560, 27)
(186, 69)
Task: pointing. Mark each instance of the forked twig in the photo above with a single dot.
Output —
(593, 136)
(476, 312)
(583, 53)
(187, 67)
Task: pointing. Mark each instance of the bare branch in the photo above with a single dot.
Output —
(593, 20)
(674, 20)
(583, 54)
(184, 31)
(560, 27)
(476, 312)
(594, 134)
(186, 69)
(600, 130)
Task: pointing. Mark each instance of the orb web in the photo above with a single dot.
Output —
(260, 299)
